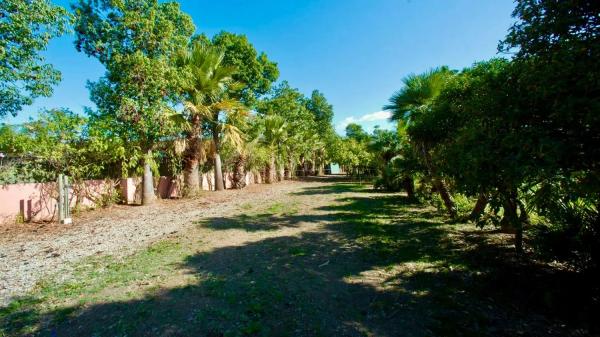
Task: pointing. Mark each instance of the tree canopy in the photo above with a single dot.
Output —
(254, 70)
(26, 27)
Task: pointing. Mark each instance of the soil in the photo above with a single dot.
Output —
(298, 258)
(28, 252)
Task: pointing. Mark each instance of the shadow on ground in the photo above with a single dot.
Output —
(381, 266)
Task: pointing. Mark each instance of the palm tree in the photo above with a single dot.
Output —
(417, 95)
(205, 82)
(226, 116)
(411, 102)
(273, 134)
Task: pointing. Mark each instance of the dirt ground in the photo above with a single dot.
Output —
(31, 251)
(310, 258)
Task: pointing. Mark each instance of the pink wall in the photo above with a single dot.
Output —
(37, 201)
(27, 201)
(131, 190)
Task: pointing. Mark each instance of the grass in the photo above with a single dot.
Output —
(255, 217)
(378, 266)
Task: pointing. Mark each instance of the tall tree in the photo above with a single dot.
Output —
(355, 131)
(254, 71)
(136, 40)
(208, 84)
(204, 81)
(273, 133)
(556, 79)
(322, 111)
(290, 104)
(26, 27)
(411, 103)
(557, 47)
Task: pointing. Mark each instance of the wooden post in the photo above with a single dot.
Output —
(67, 211)
(64, 212)
(61, 199)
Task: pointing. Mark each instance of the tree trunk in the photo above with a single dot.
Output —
(289, 174)
(270, 174)
(239, 173)
(219, 186)
(479, 207)
(409, 186)
(321, 169)
(148, 196)
(512, 219)
(191, 179)
(440, 186)
(191, 160)
(438, 183)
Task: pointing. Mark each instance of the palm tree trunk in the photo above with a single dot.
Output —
(239, 174)
(191, 159)
(409, 186)
(219, 186)
(290, 170)
(440, 186)
(148, 196)
(321, 169)
(479, 207)
(438, 183)
(270, 176)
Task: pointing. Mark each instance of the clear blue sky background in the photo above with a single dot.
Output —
(355, 51)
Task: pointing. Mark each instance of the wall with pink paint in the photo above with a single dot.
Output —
(37, 201)
(131, 190)
(21, 202)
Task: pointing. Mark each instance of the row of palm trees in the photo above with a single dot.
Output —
(212, 110)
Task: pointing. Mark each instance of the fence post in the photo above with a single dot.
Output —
(67, 186)
(64, 211)
(61, 199)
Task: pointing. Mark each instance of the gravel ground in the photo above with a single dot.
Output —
(28, 253)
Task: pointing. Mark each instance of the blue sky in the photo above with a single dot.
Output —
(355, 51)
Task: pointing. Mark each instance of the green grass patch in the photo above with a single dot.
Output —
(378, 263)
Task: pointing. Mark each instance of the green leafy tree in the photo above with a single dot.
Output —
(474, 139)
(53, 143)
(26, 27)
(318, 105)
(355, 131)
(137, 41)
(59, 141)
(254, 71)
(412, 103)
(556, 77)
(290, 104)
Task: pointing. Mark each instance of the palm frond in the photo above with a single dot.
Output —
(233, 136)
(418, 93)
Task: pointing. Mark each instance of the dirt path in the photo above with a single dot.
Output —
(293, 259)
(28, 253)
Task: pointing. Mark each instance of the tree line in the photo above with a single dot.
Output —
(513, 141)
(170, 101)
